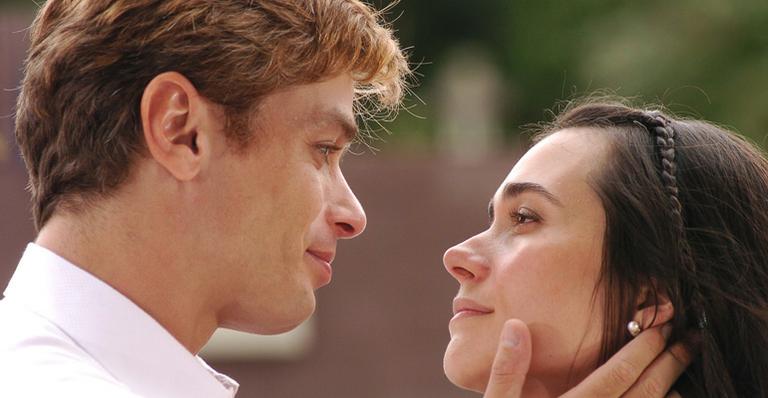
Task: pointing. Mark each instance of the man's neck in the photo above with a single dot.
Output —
(124, 251)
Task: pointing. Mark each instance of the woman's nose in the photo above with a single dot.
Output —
(465, 263)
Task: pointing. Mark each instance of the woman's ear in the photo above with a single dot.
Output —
(653, 308)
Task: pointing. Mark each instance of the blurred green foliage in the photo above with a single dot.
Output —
(30, 4)
(701, 58)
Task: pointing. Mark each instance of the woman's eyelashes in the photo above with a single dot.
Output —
(519, 216)
(523, 216)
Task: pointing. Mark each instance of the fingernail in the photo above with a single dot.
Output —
(510, 337)
(666, 331)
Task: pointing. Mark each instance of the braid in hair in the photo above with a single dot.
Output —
(663, 135)
(664, 139)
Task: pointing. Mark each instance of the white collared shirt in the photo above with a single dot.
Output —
(65, 333)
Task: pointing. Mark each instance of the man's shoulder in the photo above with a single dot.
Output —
(38, 359)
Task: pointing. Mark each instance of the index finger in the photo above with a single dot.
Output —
(624, 368)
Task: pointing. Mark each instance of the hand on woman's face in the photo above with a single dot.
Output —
(539, 262)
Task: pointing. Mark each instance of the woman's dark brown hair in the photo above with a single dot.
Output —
(686, 206)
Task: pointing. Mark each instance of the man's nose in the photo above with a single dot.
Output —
(465, 263)
(345, 213)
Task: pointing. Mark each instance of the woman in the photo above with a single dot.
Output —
(616, 220)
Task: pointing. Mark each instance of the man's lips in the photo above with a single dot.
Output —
(325, 256)
(464, 306)
(323, 260)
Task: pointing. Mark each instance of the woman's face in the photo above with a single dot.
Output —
(539, 262)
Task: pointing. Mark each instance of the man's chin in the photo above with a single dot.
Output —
(285, 326)
(280, 330)
(269, 329)
(278, 321)
(289, 324)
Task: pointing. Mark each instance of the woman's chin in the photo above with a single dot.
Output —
(464, 372)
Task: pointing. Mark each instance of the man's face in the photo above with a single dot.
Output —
(274, 214)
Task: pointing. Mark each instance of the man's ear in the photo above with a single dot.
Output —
(171, 114)
(652, 308)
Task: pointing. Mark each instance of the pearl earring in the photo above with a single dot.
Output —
(634, 328)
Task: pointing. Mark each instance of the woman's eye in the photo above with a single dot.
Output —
(524, 216)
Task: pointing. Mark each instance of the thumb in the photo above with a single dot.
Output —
(513, 357)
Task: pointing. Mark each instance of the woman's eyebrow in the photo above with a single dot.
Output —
(514, 189)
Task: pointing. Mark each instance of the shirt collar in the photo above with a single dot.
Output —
(124, 339)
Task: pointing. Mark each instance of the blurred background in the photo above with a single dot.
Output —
(485, 69)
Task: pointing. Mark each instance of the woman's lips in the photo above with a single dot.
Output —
(464, 307)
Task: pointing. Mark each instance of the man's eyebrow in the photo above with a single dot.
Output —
(514, 189)
(338, 118)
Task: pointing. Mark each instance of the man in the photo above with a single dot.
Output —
(184, 166)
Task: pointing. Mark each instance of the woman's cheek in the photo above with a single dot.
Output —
(549, 287)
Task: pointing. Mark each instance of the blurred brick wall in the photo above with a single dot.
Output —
(15, 219)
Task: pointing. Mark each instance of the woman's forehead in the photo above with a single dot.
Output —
(561, 163)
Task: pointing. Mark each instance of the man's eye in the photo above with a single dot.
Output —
(327, 150)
